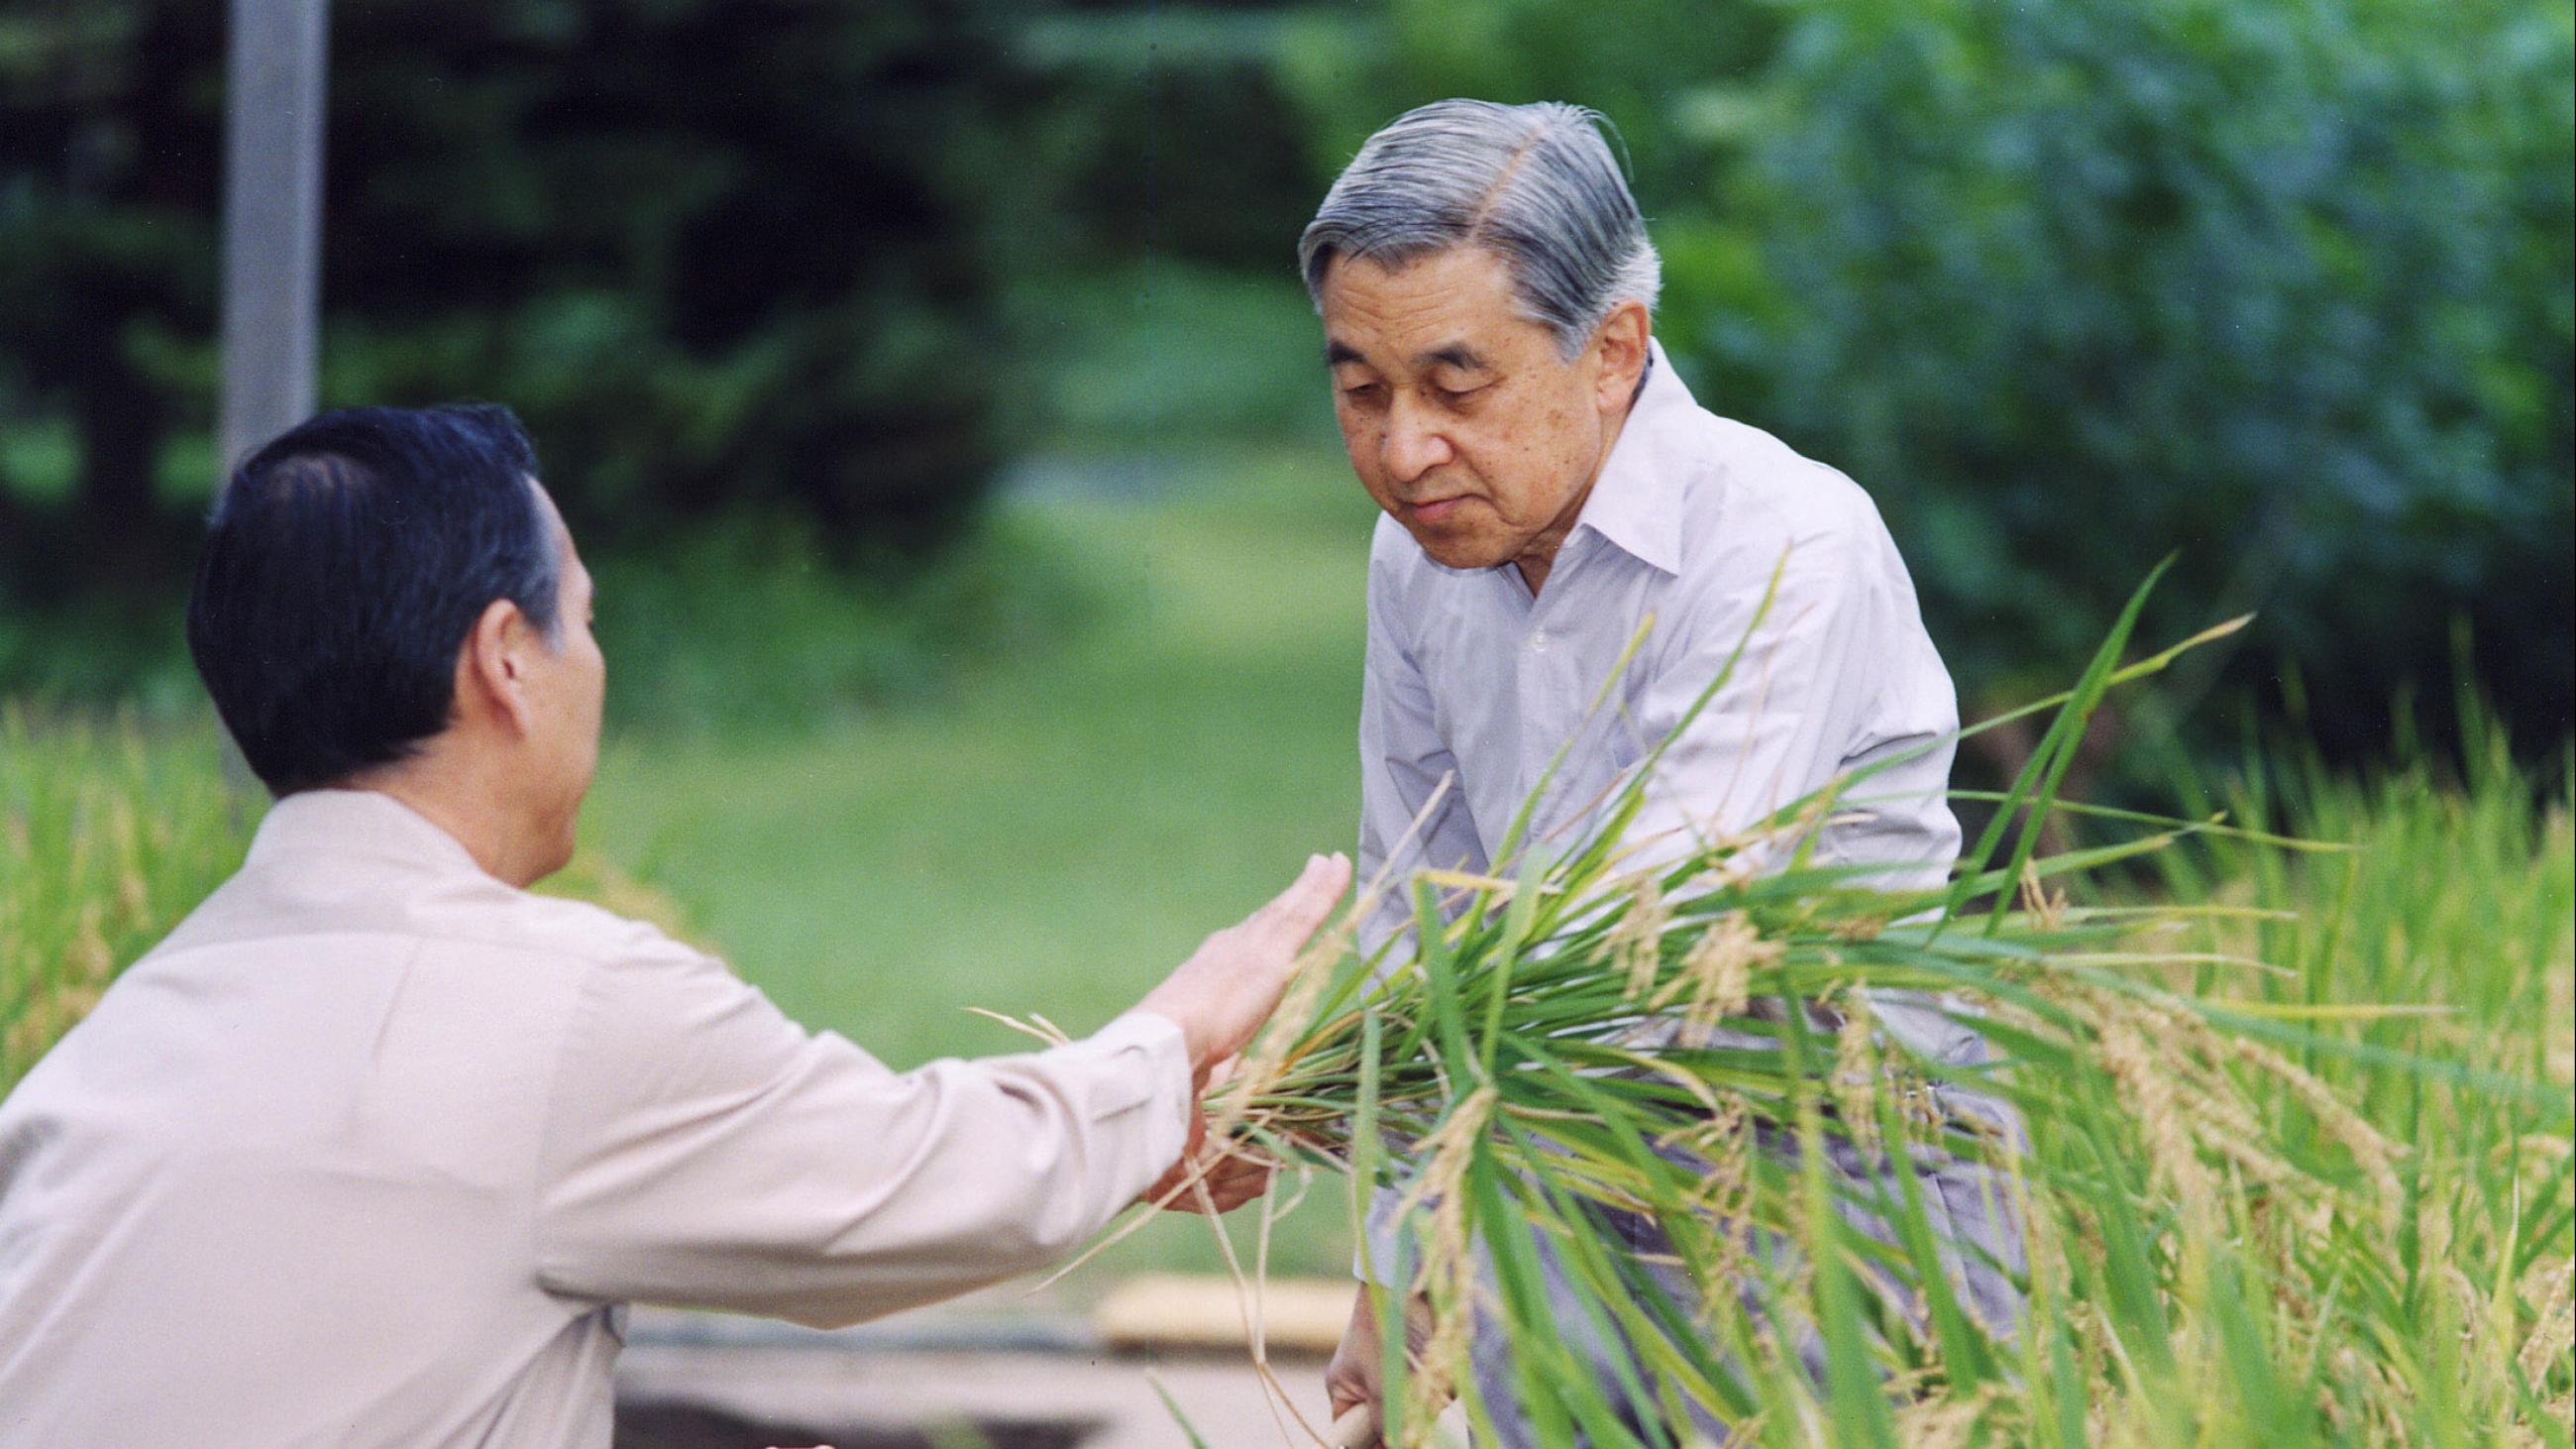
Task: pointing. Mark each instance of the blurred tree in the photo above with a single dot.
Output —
(1158, 132)
(715, 253)
(1641, 64)
(109, 158)
(2283, 286)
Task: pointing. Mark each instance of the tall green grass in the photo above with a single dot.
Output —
(2457, 900)
(109, 833)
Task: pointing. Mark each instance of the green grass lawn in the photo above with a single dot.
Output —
(1052, 833)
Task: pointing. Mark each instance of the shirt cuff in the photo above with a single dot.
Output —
(1156, 1058)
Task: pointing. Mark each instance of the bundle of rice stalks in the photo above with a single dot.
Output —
(1649, 1131)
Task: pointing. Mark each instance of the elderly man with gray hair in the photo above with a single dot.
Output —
(1550, 487)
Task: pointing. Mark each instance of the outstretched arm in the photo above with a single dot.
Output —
(704, 1150)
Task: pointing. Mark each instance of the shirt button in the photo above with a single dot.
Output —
(1538, 642)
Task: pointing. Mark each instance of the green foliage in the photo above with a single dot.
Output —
(2285, 286)
(749, 625)
(1156, 133)
(1642, 68)
(700, 282)
(1166, 357)
(712, 253)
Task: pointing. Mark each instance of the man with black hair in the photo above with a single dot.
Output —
(375, 1148)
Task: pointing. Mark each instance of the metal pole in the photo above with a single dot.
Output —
(272, 236)
(272, 219)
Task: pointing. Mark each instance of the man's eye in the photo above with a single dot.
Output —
(1456, 395)
(1364, 392)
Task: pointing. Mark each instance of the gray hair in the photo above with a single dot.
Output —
(1535, 184)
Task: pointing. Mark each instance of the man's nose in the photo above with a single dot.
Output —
(1414, 445)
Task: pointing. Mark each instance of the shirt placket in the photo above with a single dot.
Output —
(1544, 654)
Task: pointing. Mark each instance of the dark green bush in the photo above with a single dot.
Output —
(714, 254)
(2284, 286)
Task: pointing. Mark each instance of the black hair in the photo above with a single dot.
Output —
(345, 563)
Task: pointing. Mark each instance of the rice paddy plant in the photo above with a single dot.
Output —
(2458, 899)
(109, 833)
(2208, 1121)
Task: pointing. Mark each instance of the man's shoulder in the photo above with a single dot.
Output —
(583, 931)
(476, 914)
(1753, 475)
(1746, 496)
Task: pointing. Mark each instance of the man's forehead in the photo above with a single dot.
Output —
(1449, 308)
(1459, 353)
(1463, 271)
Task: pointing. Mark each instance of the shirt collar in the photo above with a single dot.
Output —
(1636, 502)
(343, 824)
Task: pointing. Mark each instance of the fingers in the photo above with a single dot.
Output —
(1232, 1188)
(1351, 1379)
(1295, 913)
(1230, 1177)
(1223, 1195)
(1220, 995)
(1235, 1180)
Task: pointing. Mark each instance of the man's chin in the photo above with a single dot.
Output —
(1453, 552)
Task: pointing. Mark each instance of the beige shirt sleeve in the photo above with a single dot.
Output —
(701, 1149)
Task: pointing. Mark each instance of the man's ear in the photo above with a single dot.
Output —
(1621, 344)
(492, 668)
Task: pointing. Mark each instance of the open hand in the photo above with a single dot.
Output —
(1230, 985)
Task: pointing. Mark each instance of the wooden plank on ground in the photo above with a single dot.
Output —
(1299, 1316)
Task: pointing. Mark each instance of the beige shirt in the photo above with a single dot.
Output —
(374, 1149)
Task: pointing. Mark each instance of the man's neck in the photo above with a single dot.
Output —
(445, 796)
(1539, 559)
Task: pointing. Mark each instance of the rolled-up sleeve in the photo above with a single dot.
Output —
(703, 1150)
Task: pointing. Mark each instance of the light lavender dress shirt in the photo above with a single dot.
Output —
(1470, 676)
(374, 1149)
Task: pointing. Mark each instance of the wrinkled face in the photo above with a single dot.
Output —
(566, 684)
(1461, 419)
